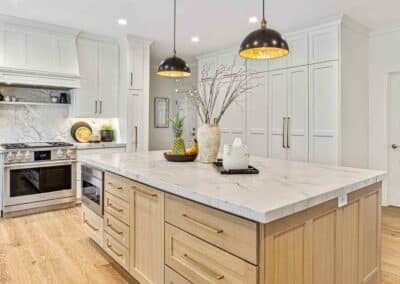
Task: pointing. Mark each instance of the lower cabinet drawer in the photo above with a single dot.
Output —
(116, 207)
(117, 251)
(93, 225)
(171, 277)
(116, 229)
(201, 262)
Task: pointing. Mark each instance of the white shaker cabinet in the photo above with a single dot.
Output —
(324, 44)
(324, 113)
(99, 67)
(298, 49)
(136, 66)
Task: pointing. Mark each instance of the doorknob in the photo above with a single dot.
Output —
(395, 146)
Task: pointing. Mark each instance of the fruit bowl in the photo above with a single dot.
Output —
(179, 158)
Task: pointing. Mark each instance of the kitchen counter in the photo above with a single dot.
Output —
(101, 145)
(281, 189)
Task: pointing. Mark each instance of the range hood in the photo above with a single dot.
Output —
(37, 54)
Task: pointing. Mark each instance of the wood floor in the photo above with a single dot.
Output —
(52, 248)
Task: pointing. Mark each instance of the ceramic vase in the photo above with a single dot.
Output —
(209, 139)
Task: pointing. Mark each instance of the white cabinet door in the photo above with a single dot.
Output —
(136, 77)
(298, 49)
(207, 67)
(232, 60)
(257, 116)
(67, 55)
(277, 113)
(324, 113)
(86, 97)
(255, 65)
(109, 79)
(41, 51)
(14, 48)
(298, 113)
(137, 121)
(324, 44)
(278, 63)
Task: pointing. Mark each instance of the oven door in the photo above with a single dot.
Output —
(34, 182)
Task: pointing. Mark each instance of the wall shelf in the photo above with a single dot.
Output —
(33, 103)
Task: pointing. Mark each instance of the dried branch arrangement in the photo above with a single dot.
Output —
(218, 91)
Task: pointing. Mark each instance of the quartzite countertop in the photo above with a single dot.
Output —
(282, 188)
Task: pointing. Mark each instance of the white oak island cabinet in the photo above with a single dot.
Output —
(185, 223)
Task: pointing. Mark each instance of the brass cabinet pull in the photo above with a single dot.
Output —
(207, 227)
(101, 106)
(114, 207)
(144, 192)
(91, 226)
(95, 106)
(113, 250)
(131, 79)
(116, 187)
(287, 132)
(203, 267)
(113, 229)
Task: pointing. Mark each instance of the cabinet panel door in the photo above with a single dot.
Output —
(232, 60)
(278, 63)
(15, 48)
(255, 66)
(137, 121)
(109, 79)
(147, 234)
(298, 49)
(67, 55)
(324, 44)
(137, 67)
(324, 113)
(257, 116)
(41, 51)
(86, 97)
(298, 113)
(207, 67)
(278, 111)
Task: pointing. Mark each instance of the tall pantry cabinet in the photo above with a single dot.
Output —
(313, 104)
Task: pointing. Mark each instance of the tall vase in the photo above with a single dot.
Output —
(209, 139)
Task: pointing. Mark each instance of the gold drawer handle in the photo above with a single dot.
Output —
(116, 187)
(91, 226)
(113, 229)
(207, 227)
(113, 250)
(203, 267)
(114, 208)
(144, 192)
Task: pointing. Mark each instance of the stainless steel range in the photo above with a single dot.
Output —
(37, 175)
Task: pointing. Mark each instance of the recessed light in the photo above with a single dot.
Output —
(195, 39)
(253, 20)
(122, 22)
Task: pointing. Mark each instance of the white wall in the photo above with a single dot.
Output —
(161, 138)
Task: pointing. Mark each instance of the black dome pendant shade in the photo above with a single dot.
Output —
(174, 67)
(264, 43)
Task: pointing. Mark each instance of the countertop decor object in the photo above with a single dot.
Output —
(179, 158)
(178, 144)
(174, 67)
(236, 155)
(249, 171)
(81, 132)
(107, 133)
(264, 43)
(217, 92)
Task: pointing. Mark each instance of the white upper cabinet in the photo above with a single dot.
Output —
(39, 54)
(298, 49)
(232, 60)
(136, 66)
(207, 65)
(278, 63)
(324, 44)
(99, 67)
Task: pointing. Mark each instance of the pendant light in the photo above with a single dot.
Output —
(174, 66)
(264, 43)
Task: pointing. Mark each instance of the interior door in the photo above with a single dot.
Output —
(277, 113)
(393, 194)
(109, 79)
(298, 113)
(257, 116)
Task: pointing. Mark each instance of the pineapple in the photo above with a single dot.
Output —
(178, 145)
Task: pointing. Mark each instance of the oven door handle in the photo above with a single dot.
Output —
(40, 164)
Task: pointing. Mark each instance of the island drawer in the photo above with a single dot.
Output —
(231, 233)
(201, 262)
(117, 251)
(116, 229)
(93, 225)
(171, 277)
(116, 207)
(117, 185)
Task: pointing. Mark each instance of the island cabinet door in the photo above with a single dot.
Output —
(326, 244)
(147, 234)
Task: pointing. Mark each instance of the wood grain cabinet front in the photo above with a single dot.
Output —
(201, 262)
(93, 225)
(117, 207)
(233, 234)
(171, 277)
(117, 229)
(117, 251)
(117, 185)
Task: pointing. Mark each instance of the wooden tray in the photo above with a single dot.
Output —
(180, 158)
(249, 171)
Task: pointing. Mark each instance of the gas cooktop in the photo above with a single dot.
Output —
(30, 145)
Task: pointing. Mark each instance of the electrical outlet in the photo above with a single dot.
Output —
(342, 200)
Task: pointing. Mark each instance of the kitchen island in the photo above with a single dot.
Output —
(186, 223)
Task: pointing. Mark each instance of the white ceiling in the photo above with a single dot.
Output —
(218, 23)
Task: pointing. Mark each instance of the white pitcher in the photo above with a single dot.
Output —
(235, 156)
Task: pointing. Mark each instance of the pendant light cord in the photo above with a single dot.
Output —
(263, 21)
(174, 28)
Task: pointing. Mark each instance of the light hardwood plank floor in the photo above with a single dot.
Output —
(52, 248)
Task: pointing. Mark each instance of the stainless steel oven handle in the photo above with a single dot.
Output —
(40, 164)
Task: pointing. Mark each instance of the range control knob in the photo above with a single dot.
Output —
(10, 157)
(28, 155)
(19, 156)
(59, 154)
